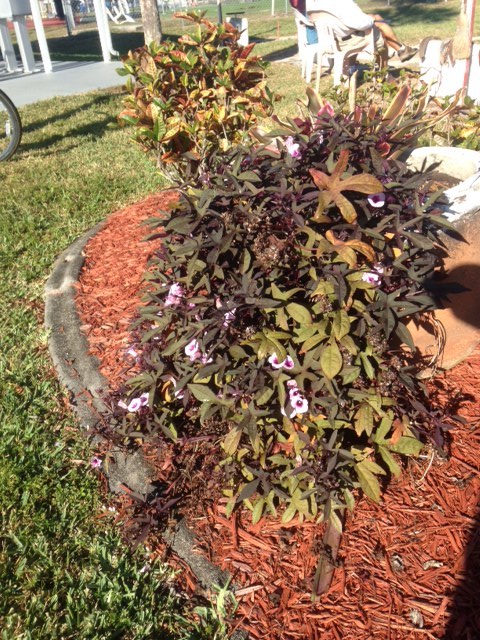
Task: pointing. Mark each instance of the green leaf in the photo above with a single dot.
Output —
(232, 440)
(407, 446)
(390, 461)
(289, 513)
(368, 481)
(331, 360)
(404, 335)
(299, 313)
(363, 420)
(367, 367)
(341, 324)
(203, 393)
(258, 510)
(350, 374)
(264, 396)
(349, 499)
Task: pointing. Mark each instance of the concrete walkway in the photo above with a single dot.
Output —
(67, 78)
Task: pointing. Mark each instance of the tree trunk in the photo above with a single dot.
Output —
(152, 28)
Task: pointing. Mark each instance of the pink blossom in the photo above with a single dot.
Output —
(275, 362)
(228, 317)
(326, 110)
(296, 406)
(284, 364)
(96, 462)
(122, 405)
(192, 350)
(292, 384)
(299, 404)
(132, 353)
(205, 359)
(295, 392)
(138, 403)
(373, 277)
(293, 147)
(175, 295)
(176, 290)
(376, 200)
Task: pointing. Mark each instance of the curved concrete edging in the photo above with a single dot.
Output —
(79, 372)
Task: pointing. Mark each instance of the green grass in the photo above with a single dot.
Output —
(64, 573)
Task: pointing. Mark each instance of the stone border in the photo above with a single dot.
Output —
(78, 371)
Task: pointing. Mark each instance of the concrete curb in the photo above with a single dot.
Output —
(78, 371)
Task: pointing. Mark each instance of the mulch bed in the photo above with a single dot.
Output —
(408, 568)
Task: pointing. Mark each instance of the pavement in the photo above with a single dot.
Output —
(66, 79)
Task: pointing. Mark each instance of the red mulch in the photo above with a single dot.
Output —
(409, 568)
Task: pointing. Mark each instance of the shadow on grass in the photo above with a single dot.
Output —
(95, 130)
(95, 101)
(85, 45)
(286, 52)
(405, 13)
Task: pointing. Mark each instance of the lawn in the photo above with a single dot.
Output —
(64, 572)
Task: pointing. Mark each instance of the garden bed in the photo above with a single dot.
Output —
(407, 567)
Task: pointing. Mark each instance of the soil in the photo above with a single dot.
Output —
(408, 568)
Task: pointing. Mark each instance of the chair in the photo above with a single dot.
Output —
(329, 46)
(306, 50)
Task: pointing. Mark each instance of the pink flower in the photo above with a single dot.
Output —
(228, 317)
(326, 110)
(376, 200)
(137, 403)
(176, 290)
(96, 462)
(122, 405)
(373, 277)
(132, 353)
(293, 147)
(284, 364)
(192, 350)
(295, 392)
(296, 406)
(275, 362)
(175, 295)
(299, 404)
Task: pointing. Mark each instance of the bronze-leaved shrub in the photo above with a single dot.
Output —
(277, 312)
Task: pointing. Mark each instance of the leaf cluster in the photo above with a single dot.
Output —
(296, 287)
(187, 99)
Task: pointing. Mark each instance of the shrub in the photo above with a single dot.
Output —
(190, 98)
(276, 318)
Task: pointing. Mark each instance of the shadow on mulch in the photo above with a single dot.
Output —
(464, 623)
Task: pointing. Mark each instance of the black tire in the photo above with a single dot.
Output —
(10, 127)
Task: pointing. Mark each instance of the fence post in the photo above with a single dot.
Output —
(273, 7)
